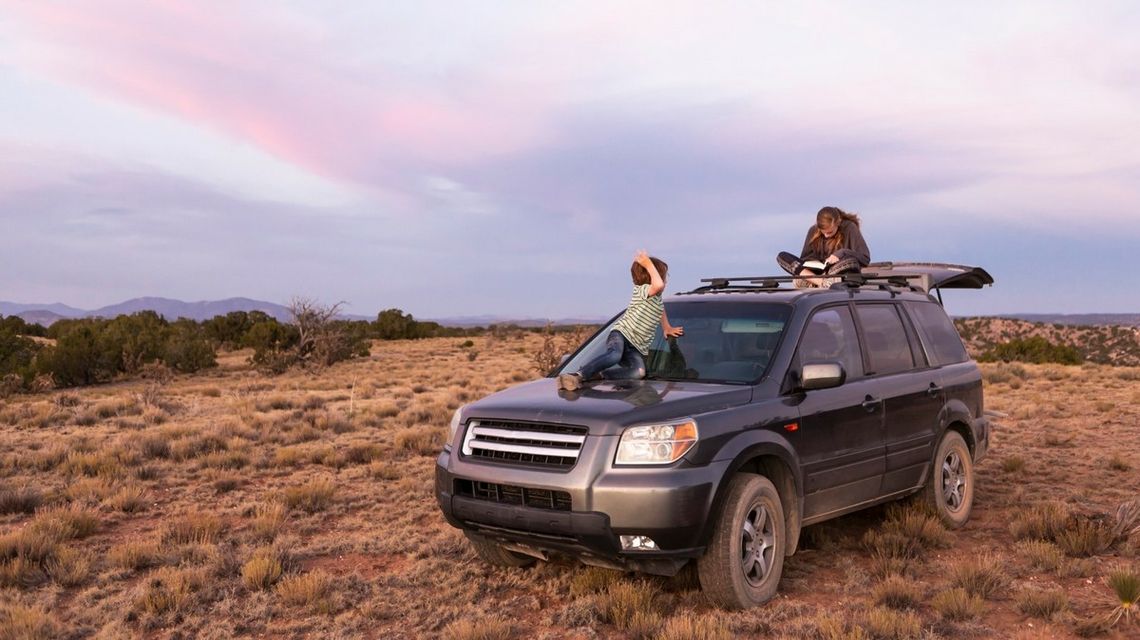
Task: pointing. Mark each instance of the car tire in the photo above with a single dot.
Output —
(950, 490)
(742, 564)
(496, 554)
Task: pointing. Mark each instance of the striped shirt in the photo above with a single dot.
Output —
(641, 318)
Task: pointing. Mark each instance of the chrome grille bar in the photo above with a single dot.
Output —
(523, 443)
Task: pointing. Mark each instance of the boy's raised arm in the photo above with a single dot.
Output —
(656, 284)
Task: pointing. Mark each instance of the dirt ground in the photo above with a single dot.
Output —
(234, 504)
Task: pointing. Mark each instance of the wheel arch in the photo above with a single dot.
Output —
(778, 464)
(956, 417)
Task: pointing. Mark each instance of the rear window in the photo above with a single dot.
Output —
(937, 331)
(886, 343)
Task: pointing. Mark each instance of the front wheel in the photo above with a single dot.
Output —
(495, 554)
(950, 490)
(742, 565)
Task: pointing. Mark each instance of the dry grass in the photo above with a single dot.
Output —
(19, 500)
(64, 523)
(23, 572)
(958, 605)
(898, 592)
(830, 626)
(1043, 521)
(1084, 538)
(168, 498)
(624, 604)
(134, 556)
(68, 567)
(1045, 604)
(591, 580)
(493, 628)
(312, 591)
(194, 527)
(167, 590)
(1013, 464)
(27, 622)
(1041, 555)
(423, 441)
(129, 499)
(690, 628)
(983, 576)
(268, 521)
(311, 497)
(263, 569)
(887, 624)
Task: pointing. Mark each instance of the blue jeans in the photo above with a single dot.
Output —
(620, 361)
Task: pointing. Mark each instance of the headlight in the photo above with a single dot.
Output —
(657, 443)
(456, 420)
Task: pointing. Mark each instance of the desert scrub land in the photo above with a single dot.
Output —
(233, 504)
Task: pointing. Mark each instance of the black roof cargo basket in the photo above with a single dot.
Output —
(919, 276)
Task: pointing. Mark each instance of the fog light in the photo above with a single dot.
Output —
(638, 543)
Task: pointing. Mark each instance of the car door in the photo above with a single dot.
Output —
(911, 391)
(840, 435)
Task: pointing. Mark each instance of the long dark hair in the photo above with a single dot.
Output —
(827, 216)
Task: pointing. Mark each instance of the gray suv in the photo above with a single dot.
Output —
(779, 408)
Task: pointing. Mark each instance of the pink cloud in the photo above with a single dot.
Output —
(277, 84)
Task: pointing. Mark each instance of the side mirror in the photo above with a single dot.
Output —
(824, 375)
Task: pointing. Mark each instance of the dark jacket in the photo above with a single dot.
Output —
(853, 245)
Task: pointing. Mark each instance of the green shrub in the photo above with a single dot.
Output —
(1034, 349)
(94, 350)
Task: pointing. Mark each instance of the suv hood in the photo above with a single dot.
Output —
(607, 407)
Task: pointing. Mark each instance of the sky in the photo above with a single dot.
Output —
(509, 158)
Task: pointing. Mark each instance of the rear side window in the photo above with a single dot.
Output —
(886, 343)
(938, 333)
(830, 337)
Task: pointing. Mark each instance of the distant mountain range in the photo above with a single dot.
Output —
(1119, 319)
(45, 314)
(487, 320)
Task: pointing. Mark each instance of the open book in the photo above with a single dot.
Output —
(792, 264)
(815, 266)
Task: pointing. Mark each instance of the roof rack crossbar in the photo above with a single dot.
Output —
(753, 283)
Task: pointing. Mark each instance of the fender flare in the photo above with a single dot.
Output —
(748, 447)
(956, 412)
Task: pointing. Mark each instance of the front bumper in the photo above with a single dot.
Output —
(670, 505)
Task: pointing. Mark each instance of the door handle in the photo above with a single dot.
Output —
(870, 404)
(933, 390)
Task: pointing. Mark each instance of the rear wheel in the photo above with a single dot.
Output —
(742, 565)
(496, 554)
(950, 490)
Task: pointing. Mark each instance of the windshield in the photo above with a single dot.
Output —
(723, 342)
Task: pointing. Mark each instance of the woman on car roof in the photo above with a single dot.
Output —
(835, 240)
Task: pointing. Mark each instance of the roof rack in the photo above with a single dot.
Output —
(916, 276)
(768, 283)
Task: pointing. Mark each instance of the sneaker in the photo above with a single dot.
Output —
(569, 381)
(789, 262)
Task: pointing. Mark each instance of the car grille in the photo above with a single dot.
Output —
(507, 494)
(524, 443)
